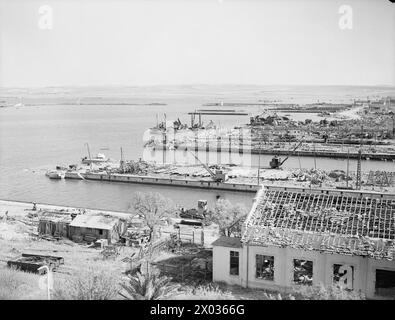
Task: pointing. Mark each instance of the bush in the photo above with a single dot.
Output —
(211, 292)
(90, 284)
(334, 292)
(16, 285)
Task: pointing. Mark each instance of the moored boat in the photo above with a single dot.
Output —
(73, 175)
(53, 174)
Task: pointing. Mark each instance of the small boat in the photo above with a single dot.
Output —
(53, 174)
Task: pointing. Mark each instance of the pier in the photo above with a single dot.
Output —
(186, 183)
(301, 153)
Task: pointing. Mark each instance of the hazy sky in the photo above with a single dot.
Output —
(154, 42)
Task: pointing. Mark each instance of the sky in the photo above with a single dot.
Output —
(181, 42)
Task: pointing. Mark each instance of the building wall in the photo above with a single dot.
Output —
(364, 268)
(112, 235)
(371, 276)
(51, 228)
(221, 265)
(82, 232)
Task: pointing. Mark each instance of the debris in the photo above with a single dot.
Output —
(33, 262)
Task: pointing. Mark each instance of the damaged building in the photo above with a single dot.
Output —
(55, 224)
(81, 227)
(296, 236)
(91, 228)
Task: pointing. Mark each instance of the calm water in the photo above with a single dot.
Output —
(35, 138)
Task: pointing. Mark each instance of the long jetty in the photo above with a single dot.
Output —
(302, 153)
(203, 184)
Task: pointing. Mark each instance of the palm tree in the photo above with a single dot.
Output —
(148, 286)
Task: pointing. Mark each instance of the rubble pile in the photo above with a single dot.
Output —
(136, 167)
(315, 176)
(381, 178)
(275, 174)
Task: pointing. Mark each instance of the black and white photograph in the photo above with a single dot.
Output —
(179, 150)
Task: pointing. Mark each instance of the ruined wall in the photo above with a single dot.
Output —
(221, 265)
(79, 234)
(363, 272)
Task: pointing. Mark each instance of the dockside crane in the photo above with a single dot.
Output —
(358, 182)
(276, 162)
(217, 176)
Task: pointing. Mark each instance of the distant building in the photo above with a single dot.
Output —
(297, 237)
(94, 227)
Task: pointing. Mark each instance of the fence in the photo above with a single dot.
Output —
(191, 236)
(187, 271)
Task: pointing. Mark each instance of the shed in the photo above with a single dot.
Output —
(94, 227)
(54, 224)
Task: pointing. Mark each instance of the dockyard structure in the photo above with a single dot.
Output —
(91, 228)
(296, 236)
(54, 224)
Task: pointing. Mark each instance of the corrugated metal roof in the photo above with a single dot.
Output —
(94, 221)
(227, 242)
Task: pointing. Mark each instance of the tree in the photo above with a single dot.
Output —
(228, 217)
(153, 208)
(148, 286)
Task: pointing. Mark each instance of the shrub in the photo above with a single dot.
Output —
(15, 284)
(90, 284)
(321, 292)
(208, 292)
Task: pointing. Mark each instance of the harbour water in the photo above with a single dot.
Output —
(36, 138)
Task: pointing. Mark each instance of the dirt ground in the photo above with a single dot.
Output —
(18, 234)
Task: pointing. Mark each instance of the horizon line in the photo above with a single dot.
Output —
(198, 84)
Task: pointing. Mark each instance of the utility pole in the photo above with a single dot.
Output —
(121, 163)
(348, 165)
(358, 182)
(259, 161)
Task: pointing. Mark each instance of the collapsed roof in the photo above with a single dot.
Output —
(343, 222)
(104, 222)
